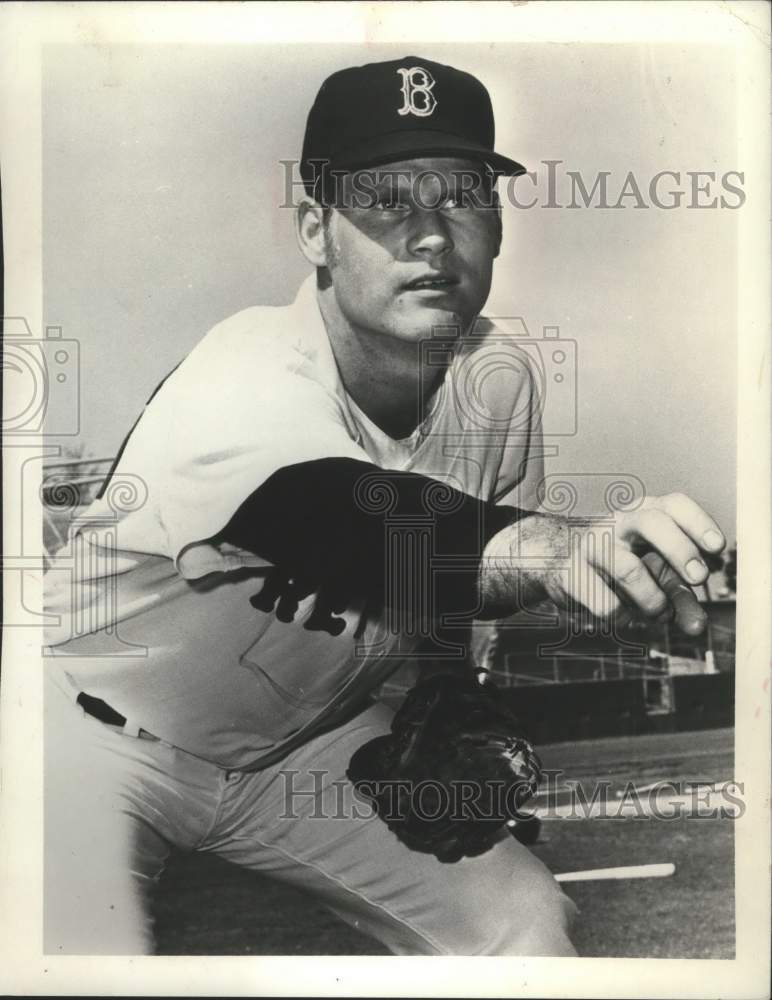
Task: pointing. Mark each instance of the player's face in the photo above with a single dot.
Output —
(411, 246)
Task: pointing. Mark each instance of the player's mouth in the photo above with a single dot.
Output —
(436, 282)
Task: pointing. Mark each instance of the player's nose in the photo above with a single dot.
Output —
(431, 236)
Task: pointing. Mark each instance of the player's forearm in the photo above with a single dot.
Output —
(327, 525)
(514, 564)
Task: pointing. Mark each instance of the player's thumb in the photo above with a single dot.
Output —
(687, 611)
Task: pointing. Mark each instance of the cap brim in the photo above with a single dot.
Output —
(414, 144)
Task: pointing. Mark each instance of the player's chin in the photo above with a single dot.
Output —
(432, 319)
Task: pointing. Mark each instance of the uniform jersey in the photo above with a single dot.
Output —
(152, 614)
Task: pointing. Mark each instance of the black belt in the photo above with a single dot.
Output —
(100, 710)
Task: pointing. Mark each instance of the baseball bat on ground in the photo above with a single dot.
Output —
(631, 871)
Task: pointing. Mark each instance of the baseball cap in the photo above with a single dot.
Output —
(365, 116)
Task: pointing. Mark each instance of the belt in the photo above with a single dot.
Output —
(100, 710)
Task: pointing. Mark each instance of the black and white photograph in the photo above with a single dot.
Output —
(386, 498)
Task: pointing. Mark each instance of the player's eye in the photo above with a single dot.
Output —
(460, 199)
(390, 202)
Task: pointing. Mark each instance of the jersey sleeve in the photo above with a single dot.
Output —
(293, 421)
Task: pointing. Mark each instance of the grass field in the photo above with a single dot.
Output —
(206, 906)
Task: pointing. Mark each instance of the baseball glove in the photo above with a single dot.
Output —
(452, 771)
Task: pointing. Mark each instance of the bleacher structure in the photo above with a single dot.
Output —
(652, 676)
(68, 487)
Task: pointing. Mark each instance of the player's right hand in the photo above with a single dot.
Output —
(642, 564)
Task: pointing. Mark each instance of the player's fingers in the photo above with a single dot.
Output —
(691, 518)
(629, 573)
(687, 611)
(656, 528)
(587, 589)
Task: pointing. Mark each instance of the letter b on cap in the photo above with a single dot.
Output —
(417, 85)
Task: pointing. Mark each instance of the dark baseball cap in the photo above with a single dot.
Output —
(403, 109)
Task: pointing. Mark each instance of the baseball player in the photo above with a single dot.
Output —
(306, 496)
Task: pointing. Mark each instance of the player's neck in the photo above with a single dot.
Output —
(383, 375)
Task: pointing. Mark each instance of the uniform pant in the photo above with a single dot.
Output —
(115, 804)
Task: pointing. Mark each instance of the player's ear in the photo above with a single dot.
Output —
(496, 207)
(309, 230)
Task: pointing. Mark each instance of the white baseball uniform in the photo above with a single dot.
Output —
(154, 618)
